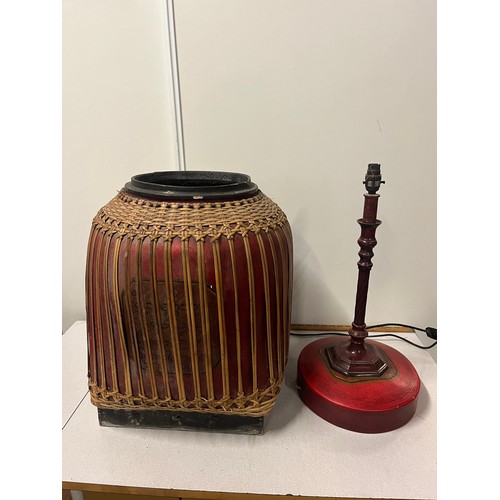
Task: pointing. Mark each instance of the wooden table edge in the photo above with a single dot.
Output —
(191, 494)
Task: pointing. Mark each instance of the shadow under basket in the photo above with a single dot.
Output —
(188, 295)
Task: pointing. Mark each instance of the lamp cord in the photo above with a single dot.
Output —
(431, 333)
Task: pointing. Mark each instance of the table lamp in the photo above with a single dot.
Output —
(357, 384)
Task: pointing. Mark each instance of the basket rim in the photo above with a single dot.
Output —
(192, 185)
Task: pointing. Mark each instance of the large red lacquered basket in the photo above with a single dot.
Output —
(188, 295)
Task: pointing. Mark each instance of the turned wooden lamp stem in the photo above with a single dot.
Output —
(355, 357)
(367, 242)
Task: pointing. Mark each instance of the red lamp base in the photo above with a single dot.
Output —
(361, 404)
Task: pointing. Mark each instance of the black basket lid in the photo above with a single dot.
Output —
(192, 185)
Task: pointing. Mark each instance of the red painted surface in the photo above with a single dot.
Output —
(361, 404)
(130, 319)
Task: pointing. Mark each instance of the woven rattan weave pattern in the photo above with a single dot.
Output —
(257, 404)
(135, 216)
(188, 304)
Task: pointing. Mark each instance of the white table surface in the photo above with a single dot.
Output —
(299, 453)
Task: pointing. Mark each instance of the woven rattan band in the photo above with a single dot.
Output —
(255, 405)
(133, 216)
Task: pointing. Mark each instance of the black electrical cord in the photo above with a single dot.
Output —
(431, 333)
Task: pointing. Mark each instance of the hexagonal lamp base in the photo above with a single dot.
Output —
(357, 360)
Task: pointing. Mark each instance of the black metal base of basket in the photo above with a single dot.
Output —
(186, 421)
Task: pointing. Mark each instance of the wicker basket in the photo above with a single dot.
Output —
(188, 295)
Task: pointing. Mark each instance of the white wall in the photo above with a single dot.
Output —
(304, 94)
(118, 117)
(301, 95)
